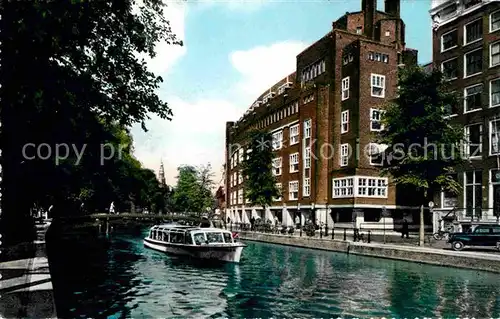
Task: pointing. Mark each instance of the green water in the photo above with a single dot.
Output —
(119, 278)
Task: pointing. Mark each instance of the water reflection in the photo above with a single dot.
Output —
(120, 278)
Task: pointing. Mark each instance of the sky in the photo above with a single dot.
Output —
(233, 51)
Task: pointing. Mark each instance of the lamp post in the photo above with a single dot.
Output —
(326, 219)
(300, 218)
(384, 210)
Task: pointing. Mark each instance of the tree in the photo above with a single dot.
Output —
(85, 80)
(193, 192)
(186, 190)
(260, 183)
(424, 147)
(205, 187)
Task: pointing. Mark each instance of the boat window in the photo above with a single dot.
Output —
(164, 236)
(199, 238)
(176, 238)
(189, 239)
(228, 238)
(214, 238)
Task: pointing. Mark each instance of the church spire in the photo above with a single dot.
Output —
(161, 175)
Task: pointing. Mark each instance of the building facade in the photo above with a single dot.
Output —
(466, 47)
(323, 119)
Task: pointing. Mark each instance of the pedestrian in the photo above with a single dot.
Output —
(252, 223)
(276, 220)
(297, 221)
(405, 230)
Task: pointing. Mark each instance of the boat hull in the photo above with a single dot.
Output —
(225, 253)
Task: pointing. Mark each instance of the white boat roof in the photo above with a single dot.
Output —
(188, 228)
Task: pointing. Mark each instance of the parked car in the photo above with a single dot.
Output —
(487, 235)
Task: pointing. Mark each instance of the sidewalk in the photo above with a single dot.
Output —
(486, 260)
(25, 286)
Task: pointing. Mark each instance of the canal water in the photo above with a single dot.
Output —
(119, 278)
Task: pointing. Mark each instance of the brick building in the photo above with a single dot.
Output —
(323, 119)
(466, 46)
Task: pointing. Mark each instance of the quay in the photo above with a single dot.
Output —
(25, 285)
(459, 259)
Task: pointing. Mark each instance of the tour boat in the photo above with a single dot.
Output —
(204, 243)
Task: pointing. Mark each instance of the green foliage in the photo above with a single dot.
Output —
(260, 183)
(75, 77)
(424, 146)
(193, 192)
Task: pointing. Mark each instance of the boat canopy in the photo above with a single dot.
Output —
(190, 235)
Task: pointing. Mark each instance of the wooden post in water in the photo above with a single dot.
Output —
(107, 226)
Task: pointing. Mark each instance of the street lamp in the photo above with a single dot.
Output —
(326, 218)
(384, 210)
(300, 218)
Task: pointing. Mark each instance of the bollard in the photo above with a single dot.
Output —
(326, 230)
(345, 234)
(300, 230)
(333, 232)
(320, 232)
(369, 236)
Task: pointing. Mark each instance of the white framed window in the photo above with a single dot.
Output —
(278, 187)
(472, 98)
(359, 30)
(296, 107)
(241, 153)
(473, 140)
(495, 54)
(449, 199)
(240, 196)
(293, 190)
(494, 191)
(277, 140)
(495, 92)
(495, 137)
(345, 88)
(473, 31)
(307, 157)
(376, 153)
(343, 187)
(450, 69)
(231, 182)
(473, 62)
(376, 120)
(473, 194)
(449, 40)
(240, 177)
(306, 188)
(277, 165)
(344, 122)
(495, 21)
(294, 134)
(371, 187)
(377, 85)
(307, 128)
(248, 151)
(344, 154)
(235, 178)
(294, 162)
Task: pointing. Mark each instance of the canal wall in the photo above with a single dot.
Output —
(462, 259)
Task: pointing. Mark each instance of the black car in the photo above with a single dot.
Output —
(480, 235)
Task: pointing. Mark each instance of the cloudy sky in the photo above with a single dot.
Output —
(233, 51)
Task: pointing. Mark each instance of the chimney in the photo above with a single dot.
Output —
(393, 7)
(369, 7)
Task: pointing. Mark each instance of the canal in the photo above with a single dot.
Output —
(116, 277)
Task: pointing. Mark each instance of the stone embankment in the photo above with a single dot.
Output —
(486, 261)
(26, 285)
